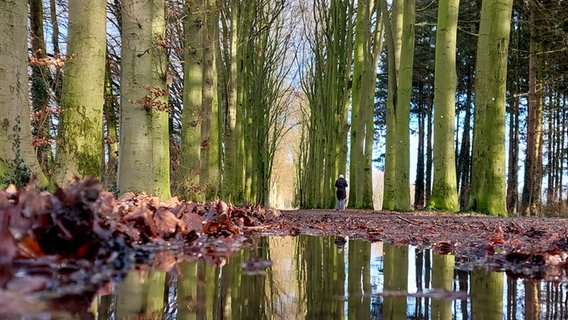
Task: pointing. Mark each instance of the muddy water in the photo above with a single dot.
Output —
(308, 277)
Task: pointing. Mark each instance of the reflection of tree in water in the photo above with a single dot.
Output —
(486, 294)
(321, 278)
(359, 279)
(442, 279)
(308, 278)
(395, 269)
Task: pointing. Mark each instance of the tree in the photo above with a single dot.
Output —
(400, 46)
(444, 195)
(80, 134)
(532, 187)
(189, 168)
(327, 87)
(18, 162)
(40, 79)
(210, 155)
(144, 164)
(233, 168)
(367, 49)
(466, 42)
(488, 163)
(517, 79)
(268, 95)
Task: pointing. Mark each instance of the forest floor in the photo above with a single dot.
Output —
(57, 250)
(523, 246)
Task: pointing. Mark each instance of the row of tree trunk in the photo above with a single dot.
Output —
(159, 97)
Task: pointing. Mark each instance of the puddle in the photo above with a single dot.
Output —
(307, 277)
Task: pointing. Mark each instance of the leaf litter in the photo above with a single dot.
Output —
(57, 250)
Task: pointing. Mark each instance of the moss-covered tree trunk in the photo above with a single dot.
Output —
(210, 173)
(488, 160)
(393, 41)
(144, 162)
(189, 169)
(358, 112)
(232, 186)
(17, 156)
(367, 48)
(400, 43)
(80, 133)
(444, 195)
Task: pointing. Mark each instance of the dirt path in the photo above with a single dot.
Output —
(536, 247)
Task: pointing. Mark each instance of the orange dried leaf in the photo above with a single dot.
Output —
(29, 247)
(497, 240)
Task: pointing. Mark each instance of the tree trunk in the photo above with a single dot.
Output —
(40, 79)
(358, 112)
(400, 45)
(419, 181)
(111, 138)
(464, 158)
(512, 175)
(394, 40)
(57, 80)
(144, 164)
(366, 52)
(189, 169)
(210, 128)
(428, 145)
(232, 186)
(80, 133)
(444, 190)
(488, 170)
(18, 162)
(531, 198)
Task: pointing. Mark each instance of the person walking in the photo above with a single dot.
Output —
(340, 193)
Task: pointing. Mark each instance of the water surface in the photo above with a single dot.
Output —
(307, 277)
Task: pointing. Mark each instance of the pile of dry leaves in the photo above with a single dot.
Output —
(68, 244)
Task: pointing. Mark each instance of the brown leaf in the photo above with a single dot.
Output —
(29, 247)
(7, 254)
(193, 221)
(166, 222)
(142, 219)
(127, 196)
(211, 227)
